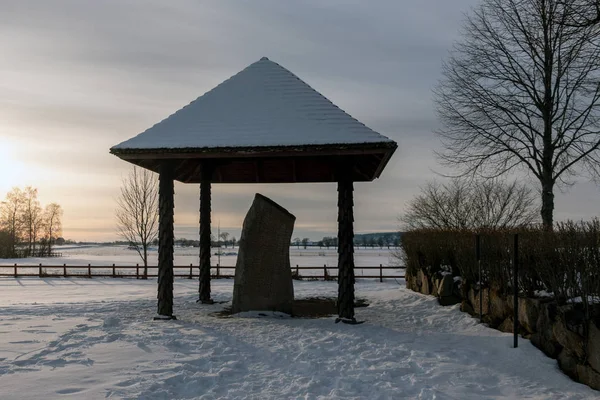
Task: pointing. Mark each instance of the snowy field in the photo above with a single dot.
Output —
(95, 339)
(120, 255)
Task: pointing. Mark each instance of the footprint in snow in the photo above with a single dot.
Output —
(25, 342)
(69, 391)
(127, 383)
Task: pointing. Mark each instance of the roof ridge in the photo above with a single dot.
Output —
(264, 104)
(319, 93)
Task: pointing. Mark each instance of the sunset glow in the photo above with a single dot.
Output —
(79, 77)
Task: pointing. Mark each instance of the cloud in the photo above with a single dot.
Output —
(79, 77)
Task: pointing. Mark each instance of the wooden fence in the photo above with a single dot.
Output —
(189, 272)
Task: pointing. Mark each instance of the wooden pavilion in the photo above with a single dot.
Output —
(263, 125)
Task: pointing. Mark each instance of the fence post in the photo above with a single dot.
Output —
(89, 270)
(297, 272)
(15, 270)
(380, 273)
(114, 272)
(65, 270)
(478, 255)
(516, 291)
(324, 272)
(137, 271)
(40, 270)
(190, 271)
(218, 270)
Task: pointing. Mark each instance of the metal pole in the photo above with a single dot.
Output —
(516, 291)
(478, 253)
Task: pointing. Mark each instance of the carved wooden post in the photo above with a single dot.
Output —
(165, 242)
(205, 207)
(345, 249)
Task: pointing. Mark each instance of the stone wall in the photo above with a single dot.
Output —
(559, 331)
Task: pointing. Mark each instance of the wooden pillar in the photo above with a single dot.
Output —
(166, 240)
(205, 207)
(345, 250)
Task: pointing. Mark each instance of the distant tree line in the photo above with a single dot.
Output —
(223, 242)
(381, 240)
(26, 228)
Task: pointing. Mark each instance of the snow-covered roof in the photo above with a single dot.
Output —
(264, 105)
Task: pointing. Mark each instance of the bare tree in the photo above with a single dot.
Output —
(305, 242)
(32, 217)
(463, 203)
(11, 219)
(52, 225)
(581, 13)
(297, 241)
(137, 211)
(522, 91)
(365, 241)
(224, 236)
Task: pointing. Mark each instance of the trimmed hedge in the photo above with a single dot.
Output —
(564, 262)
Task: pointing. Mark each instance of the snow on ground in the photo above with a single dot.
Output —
(92, 339)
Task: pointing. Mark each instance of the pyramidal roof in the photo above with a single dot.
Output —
(264, 105)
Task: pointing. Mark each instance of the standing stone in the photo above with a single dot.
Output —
(263, 277)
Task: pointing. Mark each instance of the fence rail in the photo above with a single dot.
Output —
(191, 271)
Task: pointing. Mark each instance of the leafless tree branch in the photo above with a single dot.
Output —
(521, 91)
(137, 211)
(472, 204)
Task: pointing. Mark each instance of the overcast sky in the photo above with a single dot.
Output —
(77, 77)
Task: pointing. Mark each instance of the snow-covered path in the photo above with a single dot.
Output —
(95, 338)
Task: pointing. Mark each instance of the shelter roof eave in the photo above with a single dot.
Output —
(268, 164)
(254, 151)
